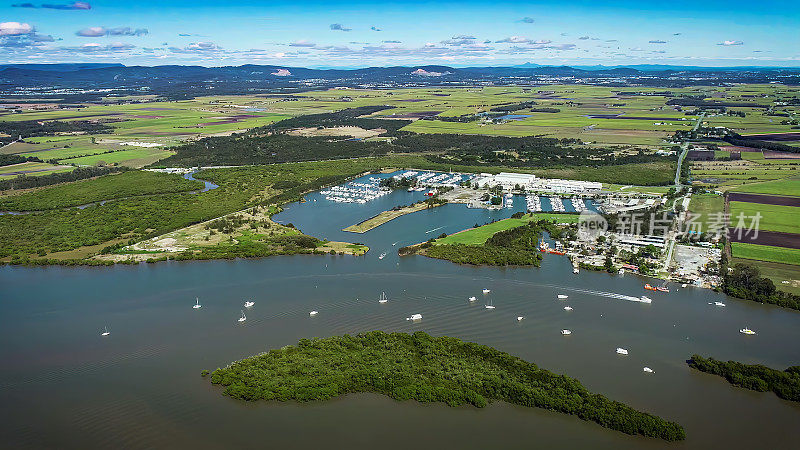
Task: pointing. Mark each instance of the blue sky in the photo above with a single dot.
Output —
(367, 33)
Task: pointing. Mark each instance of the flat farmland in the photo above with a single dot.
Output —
(135, 157)
(32, 169)
(783, 219)
(766, 253)
(787, 186)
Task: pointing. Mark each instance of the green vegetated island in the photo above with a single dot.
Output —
(427, 369)
(512, 241)
(784, 383)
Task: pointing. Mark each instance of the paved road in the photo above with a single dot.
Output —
(685, 150)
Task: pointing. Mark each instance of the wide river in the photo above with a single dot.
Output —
(62, 385)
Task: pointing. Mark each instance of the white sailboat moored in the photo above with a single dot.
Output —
(197, 304)
(383, 298)
(243, 318)
(249, 304)
(105, 332)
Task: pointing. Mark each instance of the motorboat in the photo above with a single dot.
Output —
(105, 332)
(622, 351)
(566, 332)
(648, 370)
(313, 313)
(473, 298)
(575, 270)
(720, 304)
(646, 299)
(383, 255)
(249, 304)
(746, 330)
(568, 308)
(684, 285)
(197, 305)
(563, 297)
(486, 291)
(519, 318)
(243, 318)
(414, 317)
(621, 271)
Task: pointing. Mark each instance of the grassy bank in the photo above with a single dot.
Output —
(479, 235)
(426, 369)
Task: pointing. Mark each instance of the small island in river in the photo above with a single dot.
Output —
(427, 369)
(784, 383)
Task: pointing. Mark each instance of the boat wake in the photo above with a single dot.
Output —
(610, 295)
(431, 231)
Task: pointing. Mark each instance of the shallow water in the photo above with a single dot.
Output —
(62, 385)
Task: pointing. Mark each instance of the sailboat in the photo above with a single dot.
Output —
(249, 304)
(383, 298)
(489, 304)
(197, 305)
(243, 318)
(106, 332)
(313, 313)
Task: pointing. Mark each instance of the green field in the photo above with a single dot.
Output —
(704, 206)
(478, 236)
(785, 219)
(32, 169)
(136, 157)
(766, 253)
(788, 187)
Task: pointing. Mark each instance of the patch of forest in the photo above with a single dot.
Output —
(427, 369)
(784, 383)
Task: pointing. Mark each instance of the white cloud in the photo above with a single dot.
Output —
(729, 43)
(15, 28)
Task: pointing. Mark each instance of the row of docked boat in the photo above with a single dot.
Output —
(534, 203)
(557, 204)
(355, 192)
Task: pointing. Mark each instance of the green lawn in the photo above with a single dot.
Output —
(773, 218)
(478, 236)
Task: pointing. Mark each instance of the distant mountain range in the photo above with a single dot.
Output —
(85, 82)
